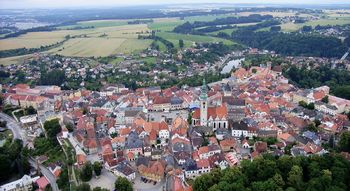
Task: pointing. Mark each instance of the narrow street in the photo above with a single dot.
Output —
(46, 172)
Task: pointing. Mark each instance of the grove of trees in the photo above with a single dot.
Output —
(269, 173)
(123, 184)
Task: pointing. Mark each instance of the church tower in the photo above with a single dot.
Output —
(204, 105)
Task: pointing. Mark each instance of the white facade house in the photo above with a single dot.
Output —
(23, 184)
(164, 134)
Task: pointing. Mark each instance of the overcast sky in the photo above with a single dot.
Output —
(4, 4)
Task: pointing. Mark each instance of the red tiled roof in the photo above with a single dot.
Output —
(42, 182)
(220, 112)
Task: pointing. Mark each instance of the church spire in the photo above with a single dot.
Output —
(204, 94)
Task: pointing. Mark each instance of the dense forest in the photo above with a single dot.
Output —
(13, 160)
(268, 173)
(337, 80)
(292, 44)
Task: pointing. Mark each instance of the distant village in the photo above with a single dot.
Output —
(166, 137)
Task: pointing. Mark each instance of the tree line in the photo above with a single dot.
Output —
(210, 26)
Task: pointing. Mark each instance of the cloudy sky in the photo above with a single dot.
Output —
(103, 3)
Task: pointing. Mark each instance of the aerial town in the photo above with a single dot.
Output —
(167, 137)
(182, 95)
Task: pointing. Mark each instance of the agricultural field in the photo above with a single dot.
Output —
(105, 41)
(14, 60)
(37, 39)
(97, 24)
(274, 14)
(344, 13)
(207, 17)
(108, 37)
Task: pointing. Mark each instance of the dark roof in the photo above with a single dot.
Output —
(133, 141)
(239, 126)
(124, 168)
(131, 113)
(233, 101)
(142, 161)
(176, 100)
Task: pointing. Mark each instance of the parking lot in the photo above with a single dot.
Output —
(143, 185)
(169, 116)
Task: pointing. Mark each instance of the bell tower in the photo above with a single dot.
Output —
(204, 105)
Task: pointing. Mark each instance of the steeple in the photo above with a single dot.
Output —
(204, 94)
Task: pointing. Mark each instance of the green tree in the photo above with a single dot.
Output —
(202, 183)
(189, 118)
(325, 99)
(97, 168)
(1, 100)
(123, 184)
(311, 106)
(295, 177)
(100, 189)
(83, 187)
(86, 172)
(181, 43)
(30, 110)
(70, 127)
(52, 128)
(344, 142)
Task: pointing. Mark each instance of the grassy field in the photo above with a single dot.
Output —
(189, 39)
(164, 26)
(227, 31)
(290, 27)
(14, 60)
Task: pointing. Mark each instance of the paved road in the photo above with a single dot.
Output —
(46, 172)
(19, 133)
(15, 127)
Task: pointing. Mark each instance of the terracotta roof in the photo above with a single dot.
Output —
(203, 163)
(81, 158)
(203, 150)
(227, 142)
(42, 182)
(161, 100)
(312, 148)
(318, 95)
(118, 140)
(220, 112)
(90, 143)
